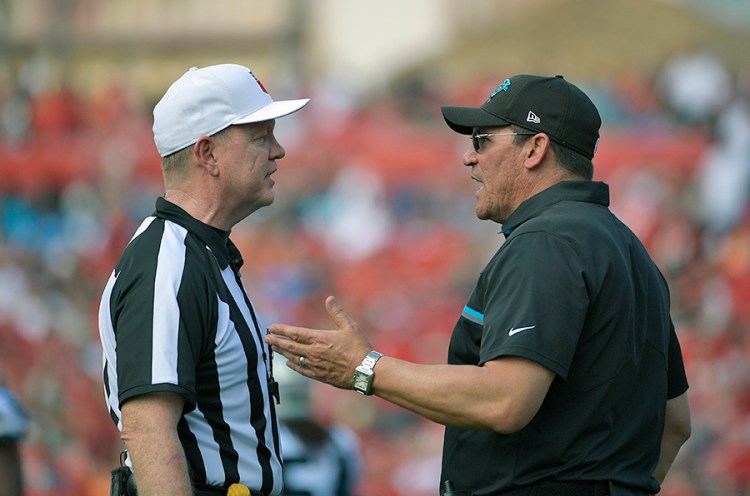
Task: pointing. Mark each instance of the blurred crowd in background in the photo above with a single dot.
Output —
(374, 206)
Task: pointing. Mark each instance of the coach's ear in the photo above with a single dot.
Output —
(535, 150)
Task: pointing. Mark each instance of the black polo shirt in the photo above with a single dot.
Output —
(573, 289)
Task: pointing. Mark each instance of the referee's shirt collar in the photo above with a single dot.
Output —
(583, 191)
(216, 239)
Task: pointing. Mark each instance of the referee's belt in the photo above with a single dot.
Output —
(219, 491)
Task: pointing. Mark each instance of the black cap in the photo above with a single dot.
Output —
(549, 105)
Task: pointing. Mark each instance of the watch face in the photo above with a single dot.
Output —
(362, 380)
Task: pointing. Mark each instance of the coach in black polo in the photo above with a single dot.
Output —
(564, 373)
(187, 376)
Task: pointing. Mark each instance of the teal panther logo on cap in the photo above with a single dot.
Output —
(500, 87)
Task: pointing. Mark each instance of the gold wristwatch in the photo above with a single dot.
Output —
(364, 374)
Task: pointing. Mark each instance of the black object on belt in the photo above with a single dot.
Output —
(561, 489)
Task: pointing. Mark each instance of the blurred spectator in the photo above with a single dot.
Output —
(13, 425)
(694, 86)
(319, 460)
(724, 174)
(352, 217)
(15, 115)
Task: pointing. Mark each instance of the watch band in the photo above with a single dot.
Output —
(371, 359)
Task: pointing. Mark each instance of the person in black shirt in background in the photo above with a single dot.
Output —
(14, 422)
(319, 459)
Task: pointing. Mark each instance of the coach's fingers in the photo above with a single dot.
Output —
(338, 314)
(288, 337)
(285, 353)
(276, 330)
(279, 344)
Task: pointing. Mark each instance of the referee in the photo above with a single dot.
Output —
(187, 377)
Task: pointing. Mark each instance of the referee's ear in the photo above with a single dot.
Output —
(204, 152)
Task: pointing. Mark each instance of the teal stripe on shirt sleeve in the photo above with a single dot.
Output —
(473, 315)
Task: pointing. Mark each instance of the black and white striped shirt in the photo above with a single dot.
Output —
(175, 317)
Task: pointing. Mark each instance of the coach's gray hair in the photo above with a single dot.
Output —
(569, 159)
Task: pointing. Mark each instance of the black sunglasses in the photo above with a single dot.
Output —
(478, 138)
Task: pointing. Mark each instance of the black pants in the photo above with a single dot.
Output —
(562, 489)
(576, 489)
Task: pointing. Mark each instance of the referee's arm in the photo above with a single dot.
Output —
(149, 431)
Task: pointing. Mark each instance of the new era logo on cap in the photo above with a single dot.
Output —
(204, 101)
(532, 117)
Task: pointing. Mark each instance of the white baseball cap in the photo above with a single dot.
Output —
(204, 101)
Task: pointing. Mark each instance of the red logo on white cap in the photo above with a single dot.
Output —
(258, 81)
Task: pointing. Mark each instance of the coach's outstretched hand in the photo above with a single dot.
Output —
(328, 356)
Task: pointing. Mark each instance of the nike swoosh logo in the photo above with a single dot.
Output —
(519, 329)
